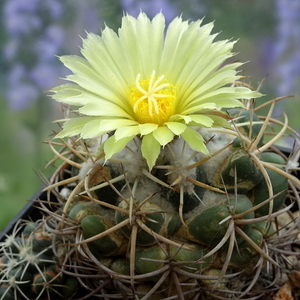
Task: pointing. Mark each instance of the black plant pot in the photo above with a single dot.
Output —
(30, 211)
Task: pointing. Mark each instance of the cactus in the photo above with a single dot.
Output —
(181, 224)
(26, 261)
(194, 225)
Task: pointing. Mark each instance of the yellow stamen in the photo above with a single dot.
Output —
(153, 100)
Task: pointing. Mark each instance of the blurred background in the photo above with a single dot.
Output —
(34, 32)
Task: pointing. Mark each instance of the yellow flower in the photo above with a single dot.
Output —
(150, 83)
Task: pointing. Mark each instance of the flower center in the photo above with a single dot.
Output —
(153, 99)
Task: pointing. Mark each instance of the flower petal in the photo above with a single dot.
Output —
(147, 128)
(74, 126)
(163, 135)
(186, 119)
(194, 140)
(125, 131)
(202, 120)
(92, 129)
(111, 146)
(185, 43)
(106, 87)
(143, 40)
(176, 127)
(220, 122)
(79, 66)
(225, 97)
(150, 149)
(91, 103)
(96, 107)
(69, 93)
(229, 96)
(112, 124)
(112, 61)
(191, 80)
(100, 89)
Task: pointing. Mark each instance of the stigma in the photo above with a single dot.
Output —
(153, 99)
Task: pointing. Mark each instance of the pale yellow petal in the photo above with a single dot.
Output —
(147, 128)
(180, 117)
(208, 63)
(112, 62)
(111, 146)
(113, 124)
(163, 135)
(126, 131)
(150, 149)
(194, 140)
(183, 42)
(100, 89)
(176, 127)
(142, 40)
(92, 129)
(213, 82)
(98, 107)
(224, 97)
(73, 126)
(69, 94)
(220, 122)
(79, 66)
(197, 108)
(202, 120)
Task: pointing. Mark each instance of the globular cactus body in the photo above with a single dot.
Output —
(190, 224)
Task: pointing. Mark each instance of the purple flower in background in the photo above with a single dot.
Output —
(190, 9)
(88, 15)
(20, 91)
(20, 16)
(17, 73)
(87, 20)
(133, 7)
(50, 43)
(31, 42)
(22, 6)
(55, 34)
(44, 75)
(54, 8)
(22, 96)
(18, 23)
(10, 49)
(36, 33)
